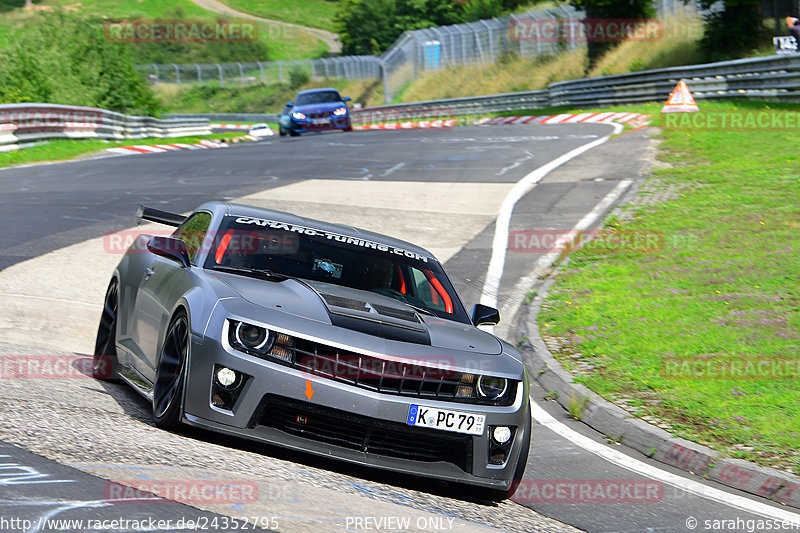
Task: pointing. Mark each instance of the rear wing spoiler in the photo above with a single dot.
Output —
(156, 215)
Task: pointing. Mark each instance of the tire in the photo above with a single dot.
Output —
(293, 133)
(171, 374)
(104, 361)
(282, 132)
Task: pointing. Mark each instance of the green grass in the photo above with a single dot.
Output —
(724, 284)
(67, 149)
(313, 13)
(281, 43)
(257, 98)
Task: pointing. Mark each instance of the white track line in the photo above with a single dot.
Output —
(515, 299)
(634, 465)
(494, 274)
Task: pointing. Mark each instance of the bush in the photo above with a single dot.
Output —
(733, 32)
(63, 58)
(298, 77)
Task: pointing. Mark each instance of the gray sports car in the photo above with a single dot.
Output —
(317, 337)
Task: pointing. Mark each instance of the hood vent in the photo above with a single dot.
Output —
(383, 321)
(345, 303)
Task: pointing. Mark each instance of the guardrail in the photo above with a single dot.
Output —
(228, 117)
(31, 122)
(773, 78)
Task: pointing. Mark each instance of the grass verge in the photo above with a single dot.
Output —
(68, 149)
(281, 43)
(722, 287)
(257, 98)
(313, 13)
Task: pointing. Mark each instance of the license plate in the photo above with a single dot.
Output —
(320, 121)
(457, 421)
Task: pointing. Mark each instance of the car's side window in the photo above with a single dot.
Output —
(193, 231)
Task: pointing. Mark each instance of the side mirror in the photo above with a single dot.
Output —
(346, 98)
(170, 248)
(483, 314)
(289, 104)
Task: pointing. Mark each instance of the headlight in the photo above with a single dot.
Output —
(491, 387)
(298, 115)
(250, 338)
(340, 111)
(260, 341)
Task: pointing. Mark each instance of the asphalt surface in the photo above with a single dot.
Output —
(45, 208)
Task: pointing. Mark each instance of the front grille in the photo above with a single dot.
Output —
(369, 435)
(380, 375)
(416, 380)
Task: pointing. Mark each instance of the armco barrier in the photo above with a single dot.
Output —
(774, 78)
(229, 117)
(30, 122)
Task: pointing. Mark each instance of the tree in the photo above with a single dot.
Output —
(611, 9)
(369, 27)
(732, 32)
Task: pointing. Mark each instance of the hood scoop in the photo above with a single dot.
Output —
(388, 322)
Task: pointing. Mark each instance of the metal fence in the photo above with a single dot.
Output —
(240, 74)
(774, 78)
(415, 52)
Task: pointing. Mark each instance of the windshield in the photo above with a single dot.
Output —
(316, 255)
(321, 97)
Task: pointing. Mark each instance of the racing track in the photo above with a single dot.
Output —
(439, 188)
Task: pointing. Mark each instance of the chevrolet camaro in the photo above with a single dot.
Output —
(317, 337)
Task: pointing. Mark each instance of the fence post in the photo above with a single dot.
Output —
(221, 82)
(491, 41)
(155, 69)
(261, 69)
(199, 74)
(177, 74)
(280, 72)
(387, 98)
(241, 74)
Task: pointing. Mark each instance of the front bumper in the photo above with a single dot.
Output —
(347, 422)
(307, 125)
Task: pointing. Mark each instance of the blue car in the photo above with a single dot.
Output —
(315, 110)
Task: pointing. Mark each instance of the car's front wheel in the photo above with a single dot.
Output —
(170, 373)
(104, 361)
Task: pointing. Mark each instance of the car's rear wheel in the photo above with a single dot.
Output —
(170, 373)
(282, 132)
(104, 361)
